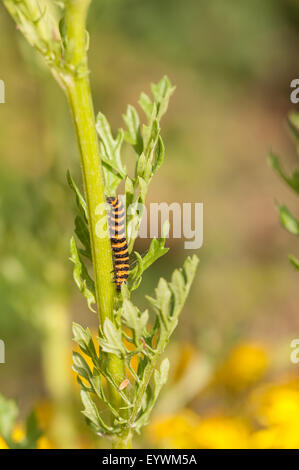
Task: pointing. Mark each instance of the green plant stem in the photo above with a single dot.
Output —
(122, 442)
(79, 95)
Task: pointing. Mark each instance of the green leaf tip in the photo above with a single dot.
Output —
(81, 204)
(294, 261)
(292, 181)
(110, 148)
(288, 220)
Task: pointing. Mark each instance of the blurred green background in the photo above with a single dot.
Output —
(232, 63)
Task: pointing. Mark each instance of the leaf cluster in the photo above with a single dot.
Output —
(139, 343)
(137, 338)
(39, 22)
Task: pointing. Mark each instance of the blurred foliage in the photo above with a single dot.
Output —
(31, 264)
(12, 436)
(232, 63)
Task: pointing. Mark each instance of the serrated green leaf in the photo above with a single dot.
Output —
(178, 288)
(141, 165)
(83, 386)
(110, 148)
(82, 232)
(135, 320)
(160, 378)
(81, 204)
(156, 250)
(91, 413)
(133, 135)
(146, 104)
(81, 276)
(81, 367)
(84, 339)
(101, 366)
(135, 275)
(170, 297)
(159, 154)
(143, 189)
(96, 382)
(150, 135)
(162, 302)
(162, 91)
(111, 339)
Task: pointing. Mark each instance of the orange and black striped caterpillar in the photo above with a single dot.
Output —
(117, 227)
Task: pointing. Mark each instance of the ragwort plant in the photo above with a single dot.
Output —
(118, 395)
(287, 218)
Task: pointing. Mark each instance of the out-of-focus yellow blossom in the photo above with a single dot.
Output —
(222, 433)
(276, 437)
(44, 443)
(18, 433)
(3, 444)
(177, 431)
(44, 413)
(246, 364)
(186, 430)
(279, 404)
(187, 354)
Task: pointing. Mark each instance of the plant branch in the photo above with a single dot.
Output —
(79, 95)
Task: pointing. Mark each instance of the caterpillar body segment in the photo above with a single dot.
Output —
(117, 228)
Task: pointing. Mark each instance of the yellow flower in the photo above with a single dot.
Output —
(279, 404)
(186, 430)
(44, 443)
(3, 444)
(44, 413)
(187, 354)
(176, 431)
(222, 433)
(18, 434)
(245, 365)
(276, 437)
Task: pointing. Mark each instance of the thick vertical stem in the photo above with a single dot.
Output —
(123, 442)
(80, 101)
(78, 90)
